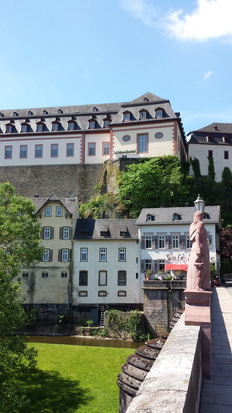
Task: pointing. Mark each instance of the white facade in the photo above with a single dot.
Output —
(106, 267)
(88, 134)
(215, 142)
(222, 156)
(164, 237)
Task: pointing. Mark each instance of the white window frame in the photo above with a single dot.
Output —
(175, 241)
(65, 255)
(148, 241)
(147, 264)
(70, 149)
(46, 255)
(46, 232)
(47, 213)
(161, 241)
(102, 254)
(66, 233)
(59, 211)
(84, 254)
(54, 150)
(122, 254)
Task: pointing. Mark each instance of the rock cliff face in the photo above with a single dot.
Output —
(63, 180)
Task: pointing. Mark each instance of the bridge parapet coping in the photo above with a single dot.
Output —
(173, 384)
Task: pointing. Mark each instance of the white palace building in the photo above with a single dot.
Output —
(91, 134)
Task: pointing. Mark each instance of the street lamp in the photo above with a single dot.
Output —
(199, 204)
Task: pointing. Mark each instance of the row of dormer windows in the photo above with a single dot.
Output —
(143, 114)
(72, 123)
(56, 126)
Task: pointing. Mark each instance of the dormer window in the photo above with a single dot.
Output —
(176, 217)
(9, 128)
(126, 116)
(15, 114)
(71, 125)
(146, 100)
(106, 121)
(24, 127)
(92, 123)
(105, 232)
(150, 217)
(40, 127)
(95, 109)
(30, 113)
(45, 112)
(143, 114)
(159, 113)
(55, 125)
(206, 215)
(60, 111)
(1, 115)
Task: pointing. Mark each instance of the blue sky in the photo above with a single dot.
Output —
(56, 53)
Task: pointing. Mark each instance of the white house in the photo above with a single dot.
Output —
(213, 141)
(106, 265)
(91, 134)
(164, 237)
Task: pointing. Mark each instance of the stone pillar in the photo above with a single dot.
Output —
(198, 312)
(162, 299)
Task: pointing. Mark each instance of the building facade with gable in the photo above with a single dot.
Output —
(164, 238)
(212, 142)
(106, 265)
(50, 281)
(91, 134)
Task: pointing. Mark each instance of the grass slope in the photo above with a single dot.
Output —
(76, 379)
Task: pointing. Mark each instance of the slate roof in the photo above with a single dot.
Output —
(69, 203)
(164, 216)
(106, 228)
(82, 114)
(215, 133)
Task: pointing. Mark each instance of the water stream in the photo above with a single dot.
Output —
(85, 341)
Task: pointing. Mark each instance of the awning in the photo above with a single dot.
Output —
(176, 267)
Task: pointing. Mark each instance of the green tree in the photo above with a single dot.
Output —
(19, 247)
(153, 183)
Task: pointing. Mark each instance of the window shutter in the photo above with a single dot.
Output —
(168, 241)
(155, 265)
(70, 233)
(142, 265)
(50, 255)
(42, 233)
(51, 232)
(143, 242)
(61, 233)
(69, 255)
(182, 241)
(154, 242)
(59, 255)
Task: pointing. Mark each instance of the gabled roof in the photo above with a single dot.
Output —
(216, 127)
(105, 229)
(69, 203)
(164, 216)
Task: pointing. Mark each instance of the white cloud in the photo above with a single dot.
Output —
(142, 10)
(208, 74)
(211, 19)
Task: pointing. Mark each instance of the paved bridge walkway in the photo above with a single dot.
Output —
(216, 394)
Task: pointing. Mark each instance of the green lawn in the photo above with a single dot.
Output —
(76, 379)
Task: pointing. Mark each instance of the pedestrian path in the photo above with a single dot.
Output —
(216, 396)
